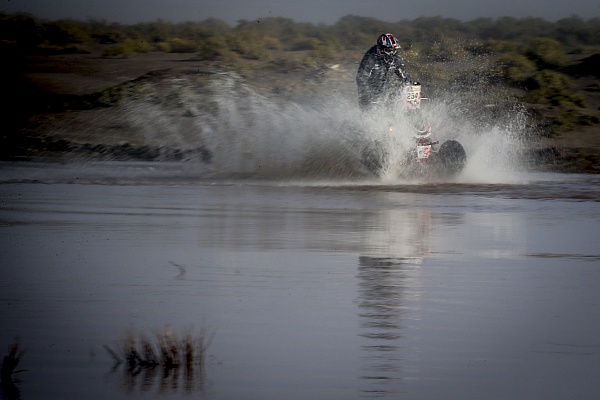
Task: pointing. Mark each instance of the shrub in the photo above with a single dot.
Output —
(562, 123)
(546, 53)
(305, 43)
(213, 47)
(178, 45)
(516, 68)
(588, 120)
(552, 88)
(251, 46)
(272, 43)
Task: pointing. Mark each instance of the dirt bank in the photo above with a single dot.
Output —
(79, 90)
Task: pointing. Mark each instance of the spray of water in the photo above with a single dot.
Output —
(253, 134)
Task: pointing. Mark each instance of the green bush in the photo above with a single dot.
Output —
(128, 47)
(213, 47)
(179, 45)
(588, 120)
(272, 43)
(305, 43)
(250, 46)
(441, 48)
(502, 46)
(516, 68)
(562, 123)
(552, 88)
(546, 53)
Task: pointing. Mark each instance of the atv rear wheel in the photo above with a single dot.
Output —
(452, 157)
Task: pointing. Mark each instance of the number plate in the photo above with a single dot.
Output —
(412, 96)
(423, 152)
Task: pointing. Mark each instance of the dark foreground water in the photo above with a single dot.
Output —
(310, 290)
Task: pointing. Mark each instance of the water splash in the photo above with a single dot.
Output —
(252, 133)
(493, 142)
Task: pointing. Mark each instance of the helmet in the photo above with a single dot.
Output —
(388, 43)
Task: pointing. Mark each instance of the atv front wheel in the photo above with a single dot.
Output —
(373, 157)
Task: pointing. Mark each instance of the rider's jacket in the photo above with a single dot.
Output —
(379, 75)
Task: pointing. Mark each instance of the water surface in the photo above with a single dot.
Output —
(324, 290)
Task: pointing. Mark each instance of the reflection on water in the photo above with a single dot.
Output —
(161, 380)
(10, 362)
(383, 285)
(169, 365)
(388, 290)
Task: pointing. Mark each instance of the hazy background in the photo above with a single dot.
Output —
(315, 11)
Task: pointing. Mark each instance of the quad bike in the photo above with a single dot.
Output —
(424, 157)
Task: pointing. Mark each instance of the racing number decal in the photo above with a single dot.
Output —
(412, 95)
(423, 152)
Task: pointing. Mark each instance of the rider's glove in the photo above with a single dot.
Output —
(401, 74)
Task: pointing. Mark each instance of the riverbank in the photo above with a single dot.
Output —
(63, 107)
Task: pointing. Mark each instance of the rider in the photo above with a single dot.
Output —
(380, 70)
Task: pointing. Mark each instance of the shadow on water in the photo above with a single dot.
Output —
(167, 365)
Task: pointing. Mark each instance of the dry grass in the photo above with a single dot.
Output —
(166, 350)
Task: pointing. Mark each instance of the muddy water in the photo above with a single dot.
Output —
(315, 290)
